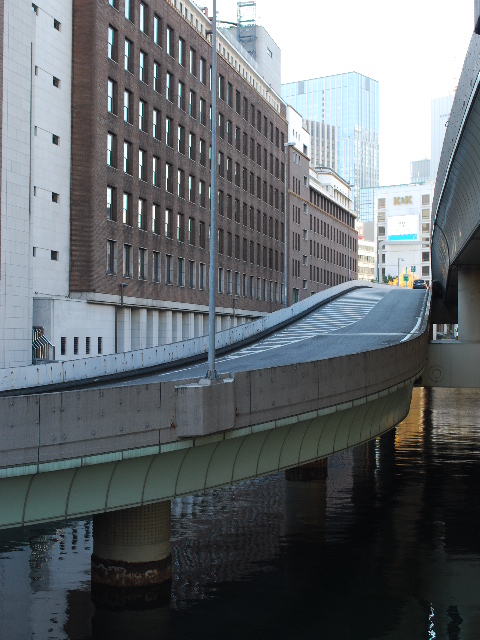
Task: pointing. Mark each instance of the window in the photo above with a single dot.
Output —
(127, 106)
(169, 86)
(191, 274)
(127, 260)
(143, 18)
(201, 235)
(181, 139)
(193, 62)
(201, 276)
(157, 30)
(142, 264)
(425, 256)
(203, 71)
(191, 146)
(156, 171)
(127, 209)
(156, 268)
(181, 96)
(203, 155)
(170, 50)
(168, 223)
(99, 345)
(202, 112)
(127, 158)
(111, 203)
(111, 149)
(112, 43)
(142, 214)
(425, 200)
(191, 188)
(129, 10)
(192, 111)
(142, 165)
(168, 132)
(142, 115)
(112, 96)
(156, 124)
(156, 219)
(56, 82)
(168, 269)
(55, 139)
(75, 345)
(181, 51)
(220, 280)
(229, 95)
(181, 272)
(111, 257)
(229, 282)
(128, 62)
(229, 132)
(201, 193)
(143, 66)
(181, 183)
(426, 271)
(87, 345)
(156, 77)
(63, 345)
(221, 87)
(168, 177)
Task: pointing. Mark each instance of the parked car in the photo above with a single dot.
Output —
(419, 284)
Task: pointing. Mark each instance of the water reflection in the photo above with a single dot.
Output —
(382, 542)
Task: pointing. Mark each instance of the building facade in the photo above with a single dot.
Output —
(323, 145)
(350, 103)
(105, 212)
(322, 240)
(402, 214)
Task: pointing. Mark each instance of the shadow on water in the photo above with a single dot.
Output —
(379, 542)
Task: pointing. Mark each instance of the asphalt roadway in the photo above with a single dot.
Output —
(361, 320)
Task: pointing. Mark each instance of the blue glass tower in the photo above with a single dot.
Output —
(349, 102)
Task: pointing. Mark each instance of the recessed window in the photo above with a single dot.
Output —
(55, 197)
(87, 345)
(54, 255)
(55, 139)
(56, 24)
(56, 82)
(63, 345)
(75, 345)
(34, 8)
(100, 346)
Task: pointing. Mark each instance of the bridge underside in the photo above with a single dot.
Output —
(221, 460)
(456, 203)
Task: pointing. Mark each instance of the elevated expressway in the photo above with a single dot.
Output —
(340, 374)
(456, 235)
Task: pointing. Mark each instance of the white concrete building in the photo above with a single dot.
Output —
(402, 214)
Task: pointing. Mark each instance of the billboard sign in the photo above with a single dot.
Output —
(402, 228)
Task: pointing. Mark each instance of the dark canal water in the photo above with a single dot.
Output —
(383, 543)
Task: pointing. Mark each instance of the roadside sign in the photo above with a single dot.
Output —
(413, 268)
(405, 277)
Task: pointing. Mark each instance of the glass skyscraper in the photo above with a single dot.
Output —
(349, 102)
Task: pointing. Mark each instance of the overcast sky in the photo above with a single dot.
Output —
(414, 48)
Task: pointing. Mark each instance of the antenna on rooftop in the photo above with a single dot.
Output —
(246, 25)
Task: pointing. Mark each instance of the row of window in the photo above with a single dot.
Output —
(186, 273)
(234, 135)
(241, 177)
(177, 49)
(255, 219)
(76, 345)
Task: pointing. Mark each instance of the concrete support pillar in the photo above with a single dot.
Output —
(124, 329)
(188, 328)
(131, 547)
(198, 325)
(177, 329)
(165, 327)
(469, 304)
(152, 328)
(139, 329)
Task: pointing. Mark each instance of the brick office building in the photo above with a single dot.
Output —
(141, 146)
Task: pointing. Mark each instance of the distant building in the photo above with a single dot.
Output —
(350, 103)
(323, 144)
(322, 240)
(441, 108)
(366, 255)
(420, 171)
(402, 242)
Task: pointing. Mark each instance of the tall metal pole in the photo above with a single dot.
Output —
(211, 373)
(285, 189)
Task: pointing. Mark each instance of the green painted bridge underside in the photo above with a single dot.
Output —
(82, 490)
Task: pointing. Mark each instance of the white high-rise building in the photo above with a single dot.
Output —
(441, 108)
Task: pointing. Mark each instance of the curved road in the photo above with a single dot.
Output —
(362, 320)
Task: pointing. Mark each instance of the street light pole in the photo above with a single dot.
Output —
(286, 145)
(211, 373)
